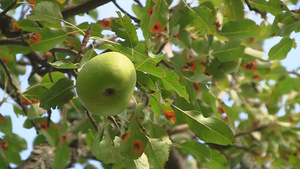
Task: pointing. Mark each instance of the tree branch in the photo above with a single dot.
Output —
(121, 9)
(17, 96)
(91, 119)
(260, 128)
(85, 6)
(9, 7)
(263, 14)
(139, 3)
(83, 44)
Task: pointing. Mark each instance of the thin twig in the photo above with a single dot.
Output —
(83, 44)
(100, 43)
(17, 42)
(263, 14)
(18, 95)
(92, 119)
(178, 129)
(139, 3)
(294, 73)
(9, 7)
(260, 128)
(65, 50)
(121, 9)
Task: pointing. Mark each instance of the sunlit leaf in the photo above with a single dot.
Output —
(211, 129)
(62, 153)
(46, 11)
(230, 51)
(158, 151)
(64, 64)
(280, 50)
(50, 37)
(204, 20)
(35, 111)
(148, 66)
(171, 82)
(126, 30)
(274, 7)
(240, 29)
(234, 9)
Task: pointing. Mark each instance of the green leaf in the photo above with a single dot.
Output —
(140, 163)
(171, 82)
(55, 76)
(183, 39)
(64, 64)
(96, 28)
(204, 20)
(210, 130)
(109, 150)
(160, 14)
(50, 133)
(200, 151)
(230, 51)
(274, 7)
(50, 37)
(16, 144)
(180, 16)
(148, 66)
(158, 151)
(58, 95)
(126, 30)
(46, 11)
(62, 154)
(218, 160)
(96, 144)
(134, 141)
(6, 125)
(35, 111)
(285, 23)
(241, 29)
(137, 10)
(280, 50)
(201, 78)
(28, 25)
(35, 92)
(234, 9)
(145, 80)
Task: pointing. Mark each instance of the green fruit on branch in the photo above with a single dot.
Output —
(106, 84)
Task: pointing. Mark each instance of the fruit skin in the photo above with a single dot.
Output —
(106, 83)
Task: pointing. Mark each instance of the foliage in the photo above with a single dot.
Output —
(204, 87)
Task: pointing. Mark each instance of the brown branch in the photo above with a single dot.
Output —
(17, 42)
(15, 88)
(83, 44)
(17, 96)
(65, 50)
(85, 6)
(178, 129)
(9, 7)
(122, 10)
(42, 155)
(263, 14)
(92, 119)
(260, 128)
(139, 3)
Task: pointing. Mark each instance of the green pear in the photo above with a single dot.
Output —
(106, 84)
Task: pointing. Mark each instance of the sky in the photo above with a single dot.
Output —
(109, 10)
